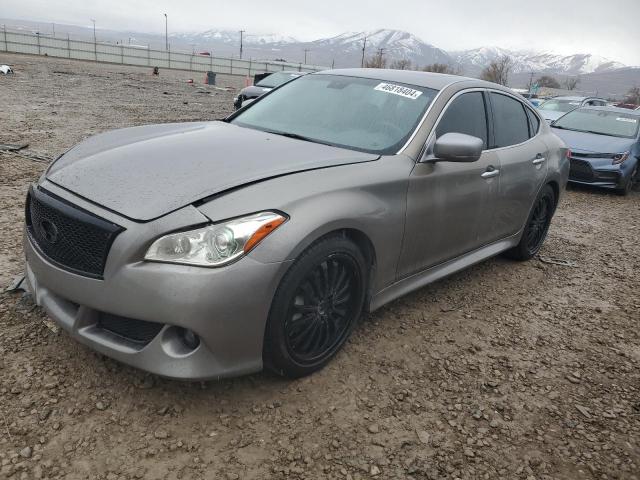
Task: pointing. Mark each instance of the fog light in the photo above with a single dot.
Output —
(189, 338)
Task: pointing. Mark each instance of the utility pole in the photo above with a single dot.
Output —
(94, 29)
(305, 55)
(95, 44)
(241, 32)
(380, 54)
(531, 81)
(166, 33)
(364, 47)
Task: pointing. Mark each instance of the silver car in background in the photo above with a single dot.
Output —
(210, 249)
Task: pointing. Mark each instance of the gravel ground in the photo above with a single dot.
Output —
(504, 371)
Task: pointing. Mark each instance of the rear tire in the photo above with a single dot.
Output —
(315, 308)
(536, 227)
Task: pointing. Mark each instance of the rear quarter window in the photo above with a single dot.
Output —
(534, 122)
(510, 122)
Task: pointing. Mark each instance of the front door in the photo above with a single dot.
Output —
(449, 202)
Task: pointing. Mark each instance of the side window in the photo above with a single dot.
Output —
(466, 114)
(510, 124)
(534, 123)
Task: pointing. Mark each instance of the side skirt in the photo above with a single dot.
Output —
(445, 269)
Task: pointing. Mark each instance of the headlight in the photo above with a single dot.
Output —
(215, 245)
(619, 158)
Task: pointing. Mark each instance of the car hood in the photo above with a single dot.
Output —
(253, 91)
(583, 142)
(146, 172)
(551, 115)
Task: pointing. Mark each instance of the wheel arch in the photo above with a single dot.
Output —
(556, 191)
(360, 238)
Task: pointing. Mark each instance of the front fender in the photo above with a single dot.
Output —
(368, 198)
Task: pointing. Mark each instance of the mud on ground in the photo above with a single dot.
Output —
(504, 371)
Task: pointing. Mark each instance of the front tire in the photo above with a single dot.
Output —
(315, 308)
(536, 227)
(629, 185)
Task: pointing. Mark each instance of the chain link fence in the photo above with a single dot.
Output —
(37, 44)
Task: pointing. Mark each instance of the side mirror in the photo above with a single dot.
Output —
(457, 147)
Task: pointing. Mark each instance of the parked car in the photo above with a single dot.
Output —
(604, 144)
(250, 93)
(205, 250)
(555, 107)
(531, 97)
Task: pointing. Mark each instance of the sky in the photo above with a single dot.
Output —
(610, 29)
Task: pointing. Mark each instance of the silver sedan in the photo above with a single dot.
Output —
(211, 249)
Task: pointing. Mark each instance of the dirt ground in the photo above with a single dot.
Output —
(504, 371)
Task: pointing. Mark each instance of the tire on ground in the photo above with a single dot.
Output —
(277, 354)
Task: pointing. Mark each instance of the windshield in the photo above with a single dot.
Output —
(276, 79)
(559, 105)
(602, 122)
(556, 105)
(358, 113)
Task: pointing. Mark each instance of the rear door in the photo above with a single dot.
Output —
(523, 162)
(447, 202)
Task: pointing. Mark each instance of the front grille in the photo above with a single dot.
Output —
(68, 236)
(580, 170)
(137, 331)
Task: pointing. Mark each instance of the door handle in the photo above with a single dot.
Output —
(490, 173)
(539, 159)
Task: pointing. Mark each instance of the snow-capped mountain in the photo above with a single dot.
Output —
(345, 50)
(342, 50)
(473, 61)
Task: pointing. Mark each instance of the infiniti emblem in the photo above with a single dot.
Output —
(49, 231)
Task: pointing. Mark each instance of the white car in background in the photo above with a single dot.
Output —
(556, 107)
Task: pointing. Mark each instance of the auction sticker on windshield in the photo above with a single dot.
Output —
(398, 90)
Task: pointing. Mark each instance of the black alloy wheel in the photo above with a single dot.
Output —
(536, 227)
(316, 307)
(538, 224)
(322, 308)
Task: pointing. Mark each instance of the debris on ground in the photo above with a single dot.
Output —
(556, 261)
(10, 147)
(17, 284)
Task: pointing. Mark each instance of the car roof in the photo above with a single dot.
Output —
(437, 81)
(635, 113)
